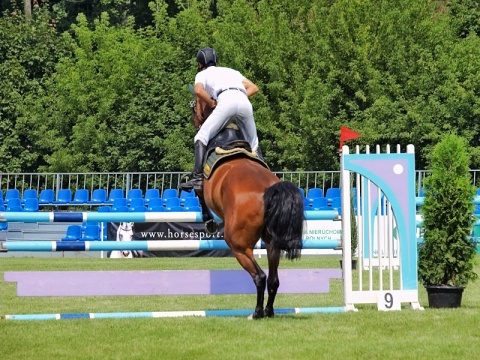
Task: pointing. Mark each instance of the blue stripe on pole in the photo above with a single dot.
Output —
(70, 246)
(74, 316)
(65, 216)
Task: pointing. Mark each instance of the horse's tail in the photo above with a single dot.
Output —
(284, 217)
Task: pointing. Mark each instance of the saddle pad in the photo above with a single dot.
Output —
(219, 155)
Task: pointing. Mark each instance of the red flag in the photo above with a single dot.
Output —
(347, 134)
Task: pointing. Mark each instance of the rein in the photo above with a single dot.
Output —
(200, 112)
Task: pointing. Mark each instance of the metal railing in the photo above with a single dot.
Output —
(163, 180)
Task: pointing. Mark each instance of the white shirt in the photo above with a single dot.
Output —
(216, 79)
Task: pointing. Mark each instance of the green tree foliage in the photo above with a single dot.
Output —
(114, 105)
(447, 253)
(28, 55)
(396, 72)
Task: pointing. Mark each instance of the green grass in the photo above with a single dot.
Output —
(367, 334)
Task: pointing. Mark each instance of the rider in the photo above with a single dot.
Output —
(227, 92)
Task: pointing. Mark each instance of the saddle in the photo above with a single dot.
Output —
(227, 144)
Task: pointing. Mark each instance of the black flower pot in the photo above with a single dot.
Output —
(444, 296)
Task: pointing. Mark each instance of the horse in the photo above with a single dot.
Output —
(254, 204)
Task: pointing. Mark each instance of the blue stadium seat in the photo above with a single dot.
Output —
(319, 203)
(151, 194)
(141, 208)
(31, 205)
(74, 233)
(119, 202)
(47, 196)
(14, 204)
(184, 195)
(104, 209)
(337, 204)
(194, 208)
(137, 203)
(157, 208)
(11, 194)
(170, 193)
(29, 194)
(176, 209)
(91, 232)
(313, 193)
(81, 196)
(115, 194)
(306, 204)
(155, 202)
(301, 191)
(171, 203)
(332, 193)
(190, 202)
(120, 209)
(64, 196)
(99, 196)
(134, 194)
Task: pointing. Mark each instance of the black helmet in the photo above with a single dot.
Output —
(207, 57)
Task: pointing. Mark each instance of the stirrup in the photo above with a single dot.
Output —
(195, 183)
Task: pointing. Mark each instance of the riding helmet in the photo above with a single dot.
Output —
(207, 57)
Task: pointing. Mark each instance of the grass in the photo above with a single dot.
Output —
(367, 334)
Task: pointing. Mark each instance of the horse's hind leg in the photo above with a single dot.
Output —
(273, 282)
(246, 259)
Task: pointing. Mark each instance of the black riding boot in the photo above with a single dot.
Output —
(196, 182)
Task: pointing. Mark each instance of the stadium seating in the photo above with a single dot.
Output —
(47, 196)
(64, 196)
(31, 204)
(151, 194)
(81, 196)
(11, 194)
(134, 194)
(74, 232)
(29, 194)
(99, 196)
(313, 193)
(190, 202)
(115, 194)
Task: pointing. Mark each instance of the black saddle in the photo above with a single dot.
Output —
(229, 138)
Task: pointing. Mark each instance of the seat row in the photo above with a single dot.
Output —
(85, 232)
(82, 196)
(313, 193)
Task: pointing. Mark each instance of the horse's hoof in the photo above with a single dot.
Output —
(269, 313)
(258, 314)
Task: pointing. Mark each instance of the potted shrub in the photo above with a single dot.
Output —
(446, 256)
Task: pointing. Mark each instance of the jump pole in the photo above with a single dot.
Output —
(141, 245)
(170, 314)
(145, 217)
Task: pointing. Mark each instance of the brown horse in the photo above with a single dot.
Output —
(255, 204)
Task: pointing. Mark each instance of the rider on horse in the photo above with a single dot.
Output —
(226, 91)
